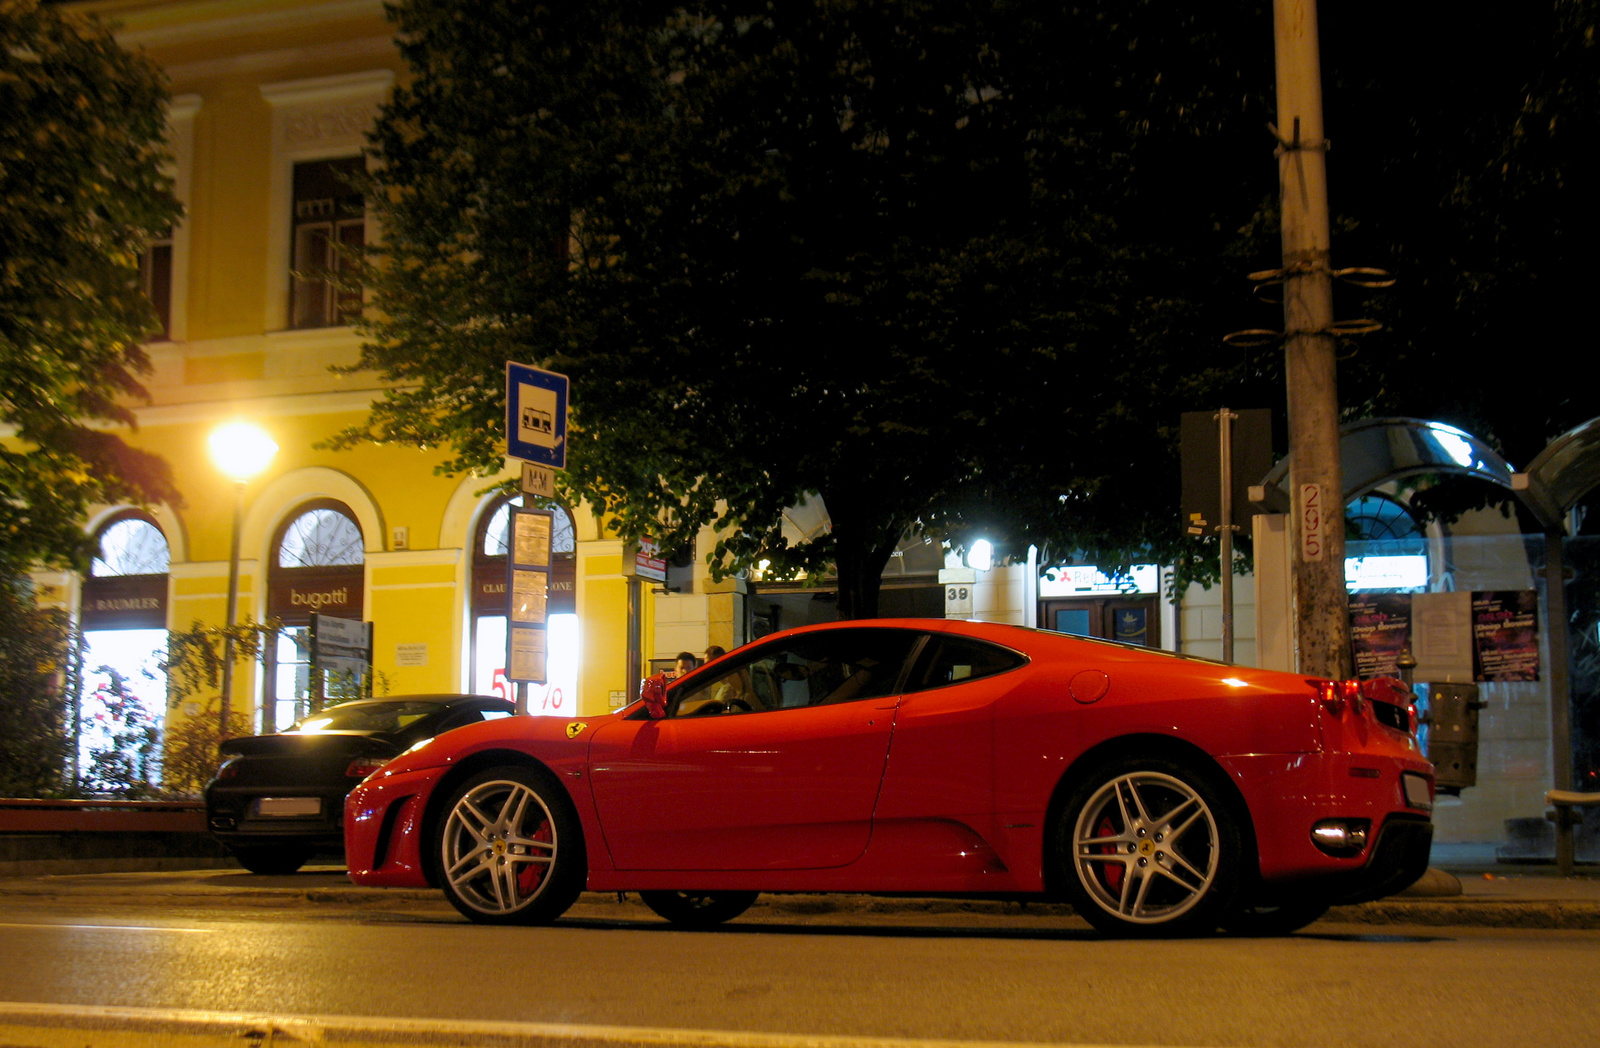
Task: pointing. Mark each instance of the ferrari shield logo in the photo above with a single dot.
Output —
(574, 728)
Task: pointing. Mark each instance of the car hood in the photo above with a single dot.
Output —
(551, 739)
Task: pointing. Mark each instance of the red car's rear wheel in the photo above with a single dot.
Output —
(510, 848)
(1149, 847)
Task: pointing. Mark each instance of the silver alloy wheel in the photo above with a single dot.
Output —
(1145, 847)
(499, 846)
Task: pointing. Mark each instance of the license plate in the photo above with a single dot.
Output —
(1416, 791)
(289, 806)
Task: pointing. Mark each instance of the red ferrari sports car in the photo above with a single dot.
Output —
(1159, 794)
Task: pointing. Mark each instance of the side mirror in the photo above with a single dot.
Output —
(654, 694)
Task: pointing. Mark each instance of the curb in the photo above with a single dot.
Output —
(1472, 913)
(1430, 913)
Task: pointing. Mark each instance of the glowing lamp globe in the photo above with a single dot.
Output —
(241, 451)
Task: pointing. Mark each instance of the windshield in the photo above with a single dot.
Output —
(367, 716)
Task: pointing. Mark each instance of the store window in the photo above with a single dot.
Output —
(318, 565)
(329, 232)
(124, 622)
(558, 696)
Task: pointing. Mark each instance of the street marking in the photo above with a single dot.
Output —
(162, 1024)
(106, 927)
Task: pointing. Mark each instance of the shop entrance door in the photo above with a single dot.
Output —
(1130, 619)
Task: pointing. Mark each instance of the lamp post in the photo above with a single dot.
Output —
(240, 451)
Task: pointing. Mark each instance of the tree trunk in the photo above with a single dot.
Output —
(860, 557)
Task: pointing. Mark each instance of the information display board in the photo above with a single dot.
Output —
(528, 595)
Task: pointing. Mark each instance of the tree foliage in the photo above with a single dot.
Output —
(1461, 164)
(35, 713)
(945, 263)
(82, 194)
(954, 264)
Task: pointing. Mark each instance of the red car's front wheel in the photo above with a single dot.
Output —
(510, 848)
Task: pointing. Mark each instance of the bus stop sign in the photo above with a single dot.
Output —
(536, 415)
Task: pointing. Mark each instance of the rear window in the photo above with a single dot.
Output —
(368, 716)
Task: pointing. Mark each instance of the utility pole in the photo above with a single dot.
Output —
(1321, 605)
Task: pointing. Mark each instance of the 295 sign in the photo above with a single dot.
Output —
(1311, 522)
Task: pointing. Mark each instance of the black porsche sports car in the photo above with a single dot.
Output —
(279, 799)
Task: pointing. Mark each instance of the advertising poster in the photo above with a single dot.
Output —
(1380, 629)
(1505, 635)
(530, 543)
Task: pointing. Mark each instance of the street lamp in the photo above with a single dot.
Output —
(240, 451)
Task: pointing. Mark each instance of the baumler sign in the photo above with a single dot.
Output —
(125, 602)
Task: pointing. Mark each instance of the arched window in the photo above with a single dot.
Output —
(1377, 518)
(559, 695)
(124, 622)
(131, 543)
(317, 565)
(324, 535)
(1385, 548)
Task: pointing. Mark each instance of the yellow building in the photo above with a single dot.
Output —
(271, 101)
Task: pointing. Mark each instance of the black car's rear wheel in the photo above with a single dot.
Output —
(510, 848)
(272, 858)
(1149, 847)
(698, 909)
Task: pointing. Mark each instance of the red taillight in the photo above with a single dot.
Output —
(229, 768)
(1334, 694)
(361, 767)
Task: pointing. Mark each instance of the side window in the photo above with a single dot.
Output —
(812, 670)
(952, 660)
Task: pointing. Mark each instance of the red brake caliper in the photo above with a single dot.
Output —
(1111, 872)
(528, 880)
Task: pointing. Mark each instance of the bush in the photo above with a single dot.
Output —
(37, 673)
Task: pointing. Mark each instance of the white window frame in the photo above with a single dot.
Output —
(323, 118)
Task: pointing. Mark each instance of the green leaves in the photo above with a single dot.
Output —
(900, 255)
(82, 194)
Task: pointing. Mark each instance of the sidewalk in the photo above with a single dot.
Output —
(1496, 895)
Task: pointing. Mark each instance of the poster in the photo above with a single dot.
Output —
(530, 545)
(527, 655)
(1380, 630)
(529, 593)
(1505, 635)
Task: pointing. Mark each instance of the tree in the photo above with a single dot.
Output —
(951, 264)
(37, 674)
(928, 259)
(82, 194)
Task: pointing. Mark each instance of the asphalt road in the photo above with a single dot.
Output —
(1000, 976)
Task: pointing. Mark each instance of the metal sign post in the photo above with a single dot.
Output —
(1223, 453)
(536, 433)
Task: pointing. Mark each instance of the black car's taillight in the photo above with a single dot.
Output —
(361, 767)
